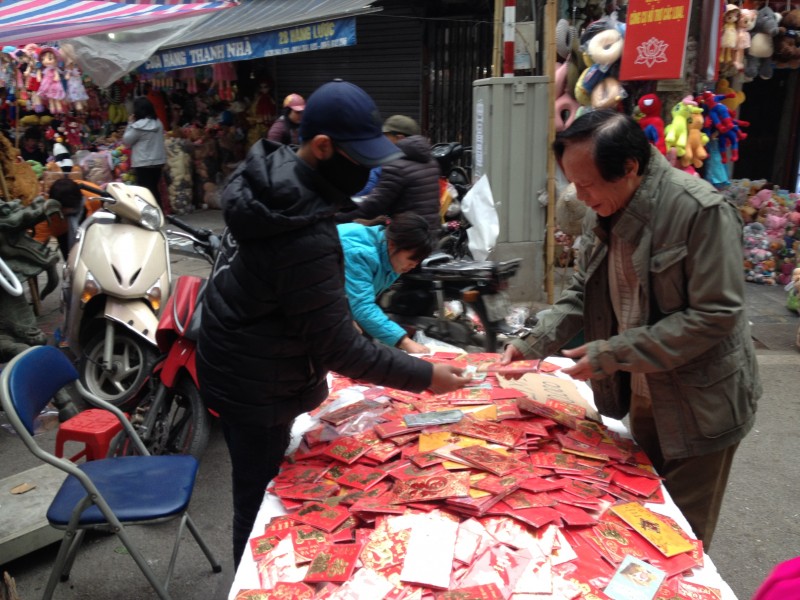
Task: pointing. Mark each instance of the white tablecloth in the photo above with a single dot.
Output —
(247, 574)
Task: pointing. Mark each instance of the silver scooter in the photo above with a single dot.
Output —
(114, 281)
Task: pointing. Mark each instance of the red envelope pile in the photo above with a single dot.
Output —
(520, 499)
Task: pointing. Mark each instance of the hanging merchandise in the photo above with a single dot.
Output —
(650, 120)
(759, 55)
(76, 91)
(566, 106)
(720, 122)
(745, 24)
(598, 86)
(676, 134)
(224, 74)
(729, 39)
(51, 91)
(787, 47)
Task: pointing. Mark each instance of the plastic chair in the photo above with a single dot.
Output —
(107, 494)
(95, 428)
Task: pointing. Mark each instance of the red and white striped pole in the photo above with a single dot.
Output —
(509, 19)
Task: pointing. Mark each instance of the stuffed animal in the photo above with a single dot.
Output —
(696, 141)
(745, 24)
(603, 49)
(787, 47)
(677, 132)
(733, 99)
(729, 37)
(651, 122)
(566, 106)
(759, 55)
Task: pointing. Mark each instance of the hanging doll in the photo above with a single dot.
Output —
(729, 37)
(30, 75)
(50, 88)
(76, 92)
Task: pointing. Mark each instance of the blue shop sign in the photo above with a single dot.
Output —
(335, 33)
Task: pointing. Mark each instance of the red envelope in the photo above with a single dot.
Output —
(321, 516)
(335, 562)
(346, 449)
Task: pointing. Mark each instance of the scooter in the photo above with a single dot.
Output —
(112, 287)
(170, 417)
(420, 300)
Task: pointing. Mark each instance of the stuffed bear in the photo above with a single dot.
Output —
(695, 143)
(787, 47)
(759, 55)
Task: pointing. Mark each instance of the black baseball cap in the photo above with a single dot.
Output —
(347, 114)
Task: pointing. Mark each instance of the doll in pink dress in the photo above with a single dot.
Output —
(51, 89)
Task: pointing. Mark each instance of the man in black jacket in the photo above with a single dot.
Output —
(276, 317)
(408, 184)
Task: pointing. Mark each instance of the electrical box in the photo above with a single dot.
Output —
(509, 145)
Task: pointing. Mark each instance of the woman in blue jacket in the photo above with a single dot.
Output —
(374, 257)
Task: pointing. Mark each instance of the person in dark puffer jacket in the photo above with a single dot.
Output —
(408, 184)
(275, 313)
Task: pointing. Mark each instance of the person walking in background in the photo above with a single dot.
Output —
(374, 257)
(659, 295)
(408, 184)
(275, 313)
(285, 129)
(145, 137)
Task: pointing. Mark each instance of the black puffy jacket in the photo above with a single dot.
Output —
(275, 314)
(408, 184)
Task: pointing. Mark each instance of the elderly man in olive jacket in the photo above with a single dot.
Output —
(659, 295)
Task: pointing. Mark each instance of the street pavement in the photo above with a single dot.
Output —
(758, 527)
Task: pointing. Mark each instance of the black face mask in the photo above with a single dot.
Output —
(343, 174)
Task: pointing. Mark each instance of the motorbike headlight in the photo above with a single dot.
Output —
(153, 296)
(151, 219)
(90, 289)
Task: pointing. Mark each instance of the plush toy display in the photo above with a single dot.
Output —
(566, 106)
(759, 55)
(787, 47)
(651, 122)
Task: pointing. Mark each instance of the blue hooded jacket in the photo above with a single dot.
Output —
(368, 272)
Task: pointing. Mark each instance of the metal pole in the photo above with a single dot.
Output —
(509, 20)
(551, 16)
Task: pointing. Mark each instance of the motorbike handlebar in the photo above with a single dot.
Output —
(205, 240)
(94, 189)
(201, 234)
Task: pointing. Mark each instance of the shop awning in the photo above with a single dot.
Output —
(255, 16)
(36, 21)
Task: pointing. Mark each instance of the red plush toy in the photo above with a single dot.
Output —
(651, 122)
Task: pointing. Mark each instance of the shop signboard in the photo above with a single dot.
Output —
(334, 33)
(655, 39)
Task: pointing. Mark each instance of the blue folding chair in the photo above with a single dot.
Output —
(107, 494)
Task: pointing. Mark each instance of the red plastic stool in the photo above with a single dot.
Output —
(94, 427)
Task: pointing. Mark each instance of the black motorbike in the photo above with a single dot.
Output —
(453, 235)
(422, 299)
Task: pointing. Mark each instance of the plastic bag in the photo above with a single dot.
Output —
(478, 208)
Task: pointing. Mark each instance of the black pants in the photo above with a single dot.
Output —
(150, 177)
(256, 457)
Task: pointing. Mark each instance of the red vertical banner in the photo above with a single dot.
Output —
(655, 39)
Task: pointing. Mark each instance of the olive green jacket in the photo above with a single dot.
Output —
(693, 342)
